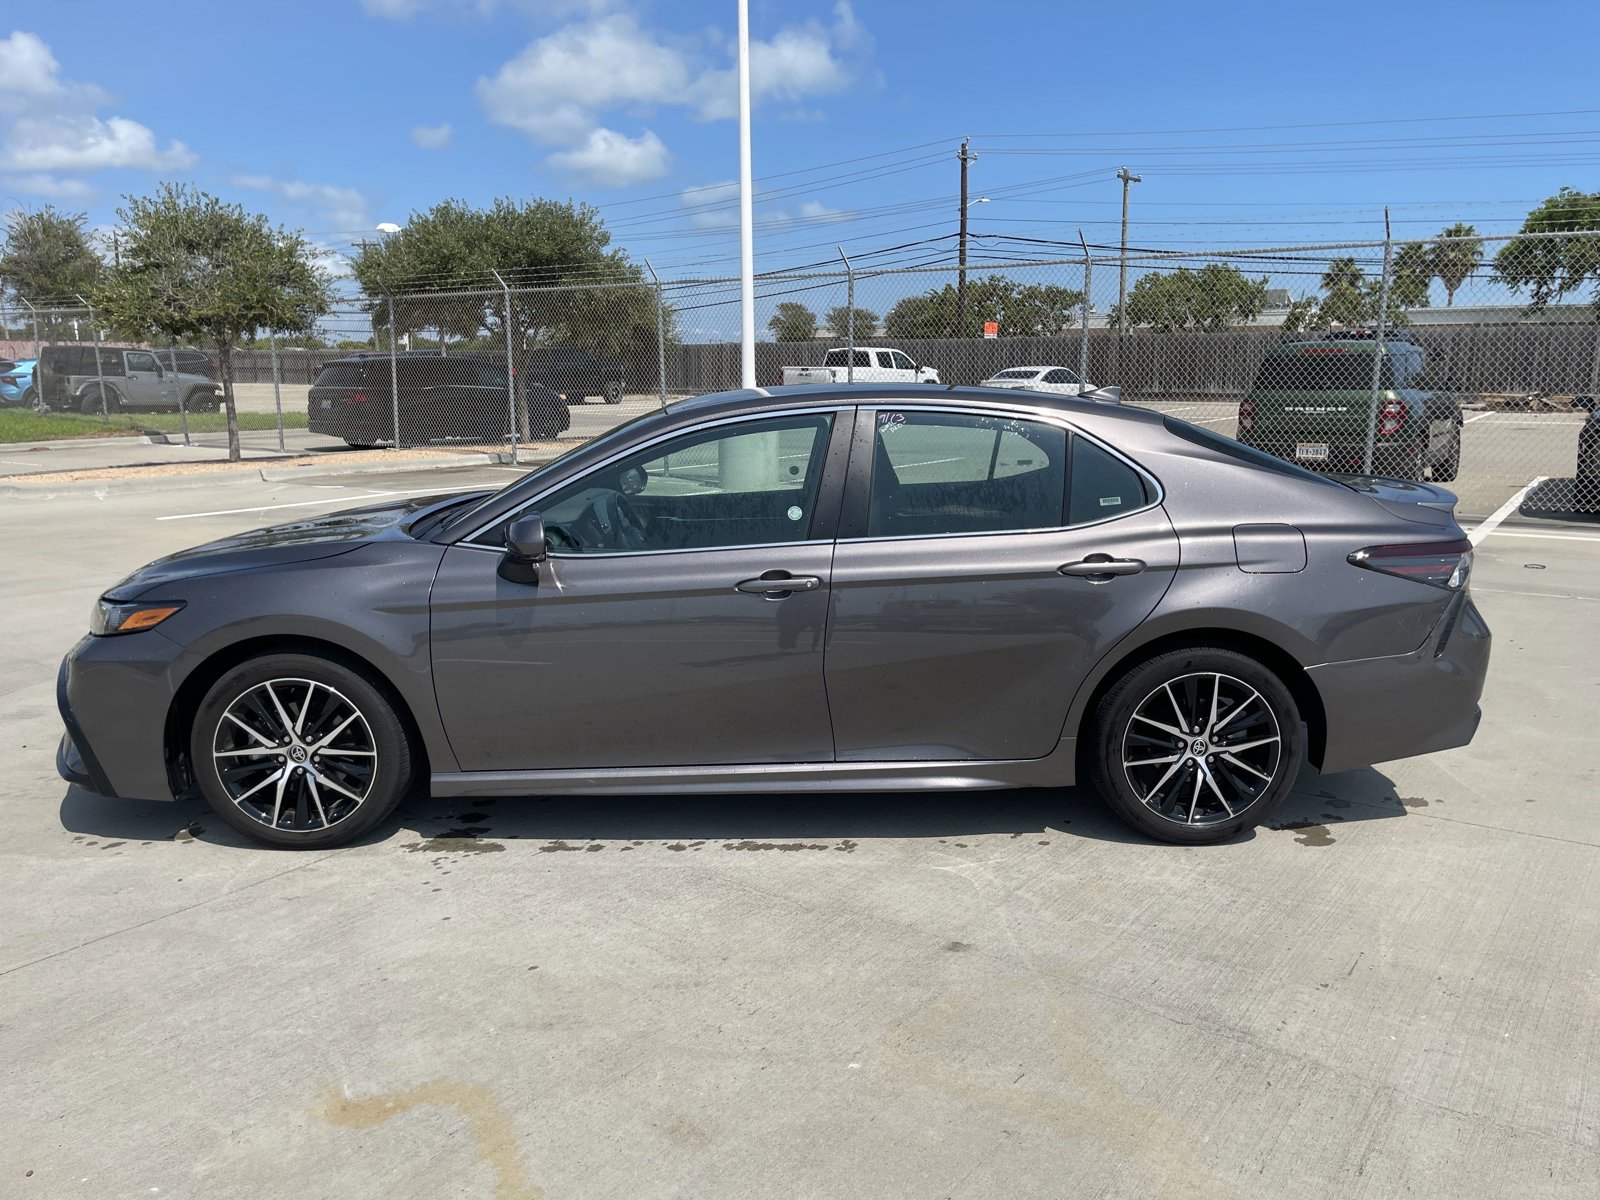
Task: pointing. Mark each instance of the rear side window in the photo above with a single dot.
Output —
(340, 375)
(1321, 369)
(1240, 452)
(1101, 485)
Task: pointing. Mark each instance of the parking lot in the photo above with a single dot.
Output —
(1391, 989)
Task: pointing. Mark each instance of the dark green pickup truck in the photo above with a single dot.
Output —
(1312, 403)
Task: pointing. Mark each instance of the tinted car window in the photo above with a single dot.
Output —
(340, 375)
(141, 360)
(1018, 373)
(1101, 485)
(746, 484)
(943, 473)
(1060, 375)
(1321, 369)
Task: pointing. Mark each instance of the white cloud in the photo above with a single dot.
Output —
(558, 89)
(815, 210)
(556, 86)
(30, 68)
(86, 143)
(433, 137)
(723, 196)
(53, 125)
(612, 159)
(344, 207)
(52, 187)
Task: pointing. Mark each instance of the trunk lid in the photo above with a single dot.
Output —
(1424, 503)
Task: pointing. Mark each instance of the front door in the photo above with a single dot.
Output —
(968, 599)
(679, 620)
(144, 386)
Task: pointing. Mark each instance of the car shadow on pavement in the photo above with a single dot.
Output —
(1563, 498)
(757, 820)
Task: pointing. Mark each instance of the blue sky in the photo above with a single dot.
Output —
(337, 115)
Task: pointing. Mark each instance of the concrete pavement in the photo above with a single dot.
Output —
(1392, 991)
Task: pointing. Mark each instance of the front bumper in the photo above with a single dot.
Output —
(1380, 709)
(114, 695)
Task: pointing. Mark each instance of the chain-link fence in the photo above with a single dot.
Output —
(1472, 362)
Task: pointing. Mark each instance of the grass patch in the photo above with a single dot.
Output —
(23, 425)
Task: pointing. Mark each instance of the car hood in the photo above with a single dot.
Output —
(303, 540)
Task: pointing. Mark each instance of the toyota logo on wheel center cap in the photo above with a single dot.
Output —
(1199, 747)
(298, 753)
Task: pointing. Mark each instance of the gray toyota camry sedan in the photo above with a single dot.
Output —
(863, 589)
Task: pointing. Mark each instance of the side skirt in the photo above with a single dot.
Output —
(1054, 770)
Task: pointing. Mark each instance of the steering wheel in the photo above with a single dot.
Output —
(620, 526)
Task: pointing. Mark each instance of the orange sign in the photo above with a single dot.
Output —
(991, 329)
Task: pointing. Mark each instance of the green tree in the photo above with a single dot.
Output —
(838, 321)
(792, 322)
(568, 287)
(1351, 300)
(1031, 310)
(1411, 273)
(1551, 268)
(1454, 261)
(196, 269)
(47, 257)
(1211, 299)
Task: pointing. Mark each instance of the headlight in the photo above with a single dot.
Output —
(116, 616)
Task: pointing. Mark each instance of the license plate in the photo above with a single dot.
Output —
(326, 403)
(1311, 450)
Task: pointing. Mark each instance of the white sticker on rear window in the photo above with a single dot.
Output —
(1110, 501)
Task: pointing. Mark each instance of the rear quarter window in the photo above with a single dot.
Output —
(1101, 485)
(340, 375)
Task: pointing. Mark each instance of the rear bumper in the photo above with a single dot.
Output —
(1343, 456)
(1380, 709)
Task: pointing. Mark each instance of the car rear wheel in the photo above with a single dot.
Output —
(300, 751)
(613, 392)
(1447, 468)
(1194, 745)
(34, 399)
(91, 405)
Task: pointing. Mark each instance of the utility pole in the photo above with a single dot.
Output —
(1122, 285)
(966, 156)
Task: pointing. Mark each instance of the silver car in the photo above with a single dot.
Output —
(847, 589)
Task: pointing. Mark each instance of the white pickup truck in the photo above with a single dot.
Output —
(872, 364)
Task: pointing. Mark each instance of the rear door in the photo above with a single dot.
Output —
(967, 606)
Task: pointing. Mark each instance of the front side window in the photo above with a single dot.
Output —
(939, 473)
(903, 361)
(745, 484)
(142, 360)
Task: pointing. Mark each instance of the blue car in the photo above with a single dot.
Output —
(16, 383)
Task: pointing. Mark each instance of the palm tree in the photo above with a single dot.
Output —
(1453, 260)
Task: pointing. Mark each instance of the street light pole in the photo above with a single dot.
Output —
(747, 254)
(1122, 285)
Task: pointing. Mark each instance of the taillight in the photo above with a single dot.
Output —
(1438, 564)
(1391, 418)
(1247, 415)
(357, 398)
(10, 378)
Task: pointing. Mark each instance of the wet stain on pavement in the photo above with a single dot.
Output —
(957, 947)
(491, 1128)
(453, 845)
(1413, 802)
(845, 845)
(1309, 833)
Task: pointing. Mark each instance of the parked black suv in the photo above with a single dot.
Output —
(460, 396)
(575, 373)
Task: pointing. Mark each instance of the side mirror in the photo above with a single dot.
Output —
(525, 539)
(526, 548)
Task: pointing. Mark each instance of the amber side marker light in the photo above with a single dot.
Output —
(110, 617)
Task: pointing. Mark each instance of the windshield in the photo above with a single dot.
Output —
(464, 515)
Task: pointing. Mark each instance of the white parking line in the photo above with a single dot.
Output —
(1551, 537)
(1479, 417)
(350, 500)
(1505, 510)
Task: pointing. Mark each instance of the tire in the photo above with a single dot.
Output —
(1176, 799)
(360, 445)
(1449, 467)
(200, 401)
(328, 798)
(613, 391)
(1398, 465)
(89, 401)
(34, 400)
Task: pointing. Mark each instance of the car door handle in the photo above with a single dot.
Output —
(778, 584)
(1100, 567)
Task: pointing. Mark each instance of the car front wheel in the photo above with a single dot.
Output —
(1195, 745)
(300, 751)
(613, 391)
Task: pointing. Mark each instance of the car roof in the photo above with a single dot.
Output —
(1046, 367)
(758, 399)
